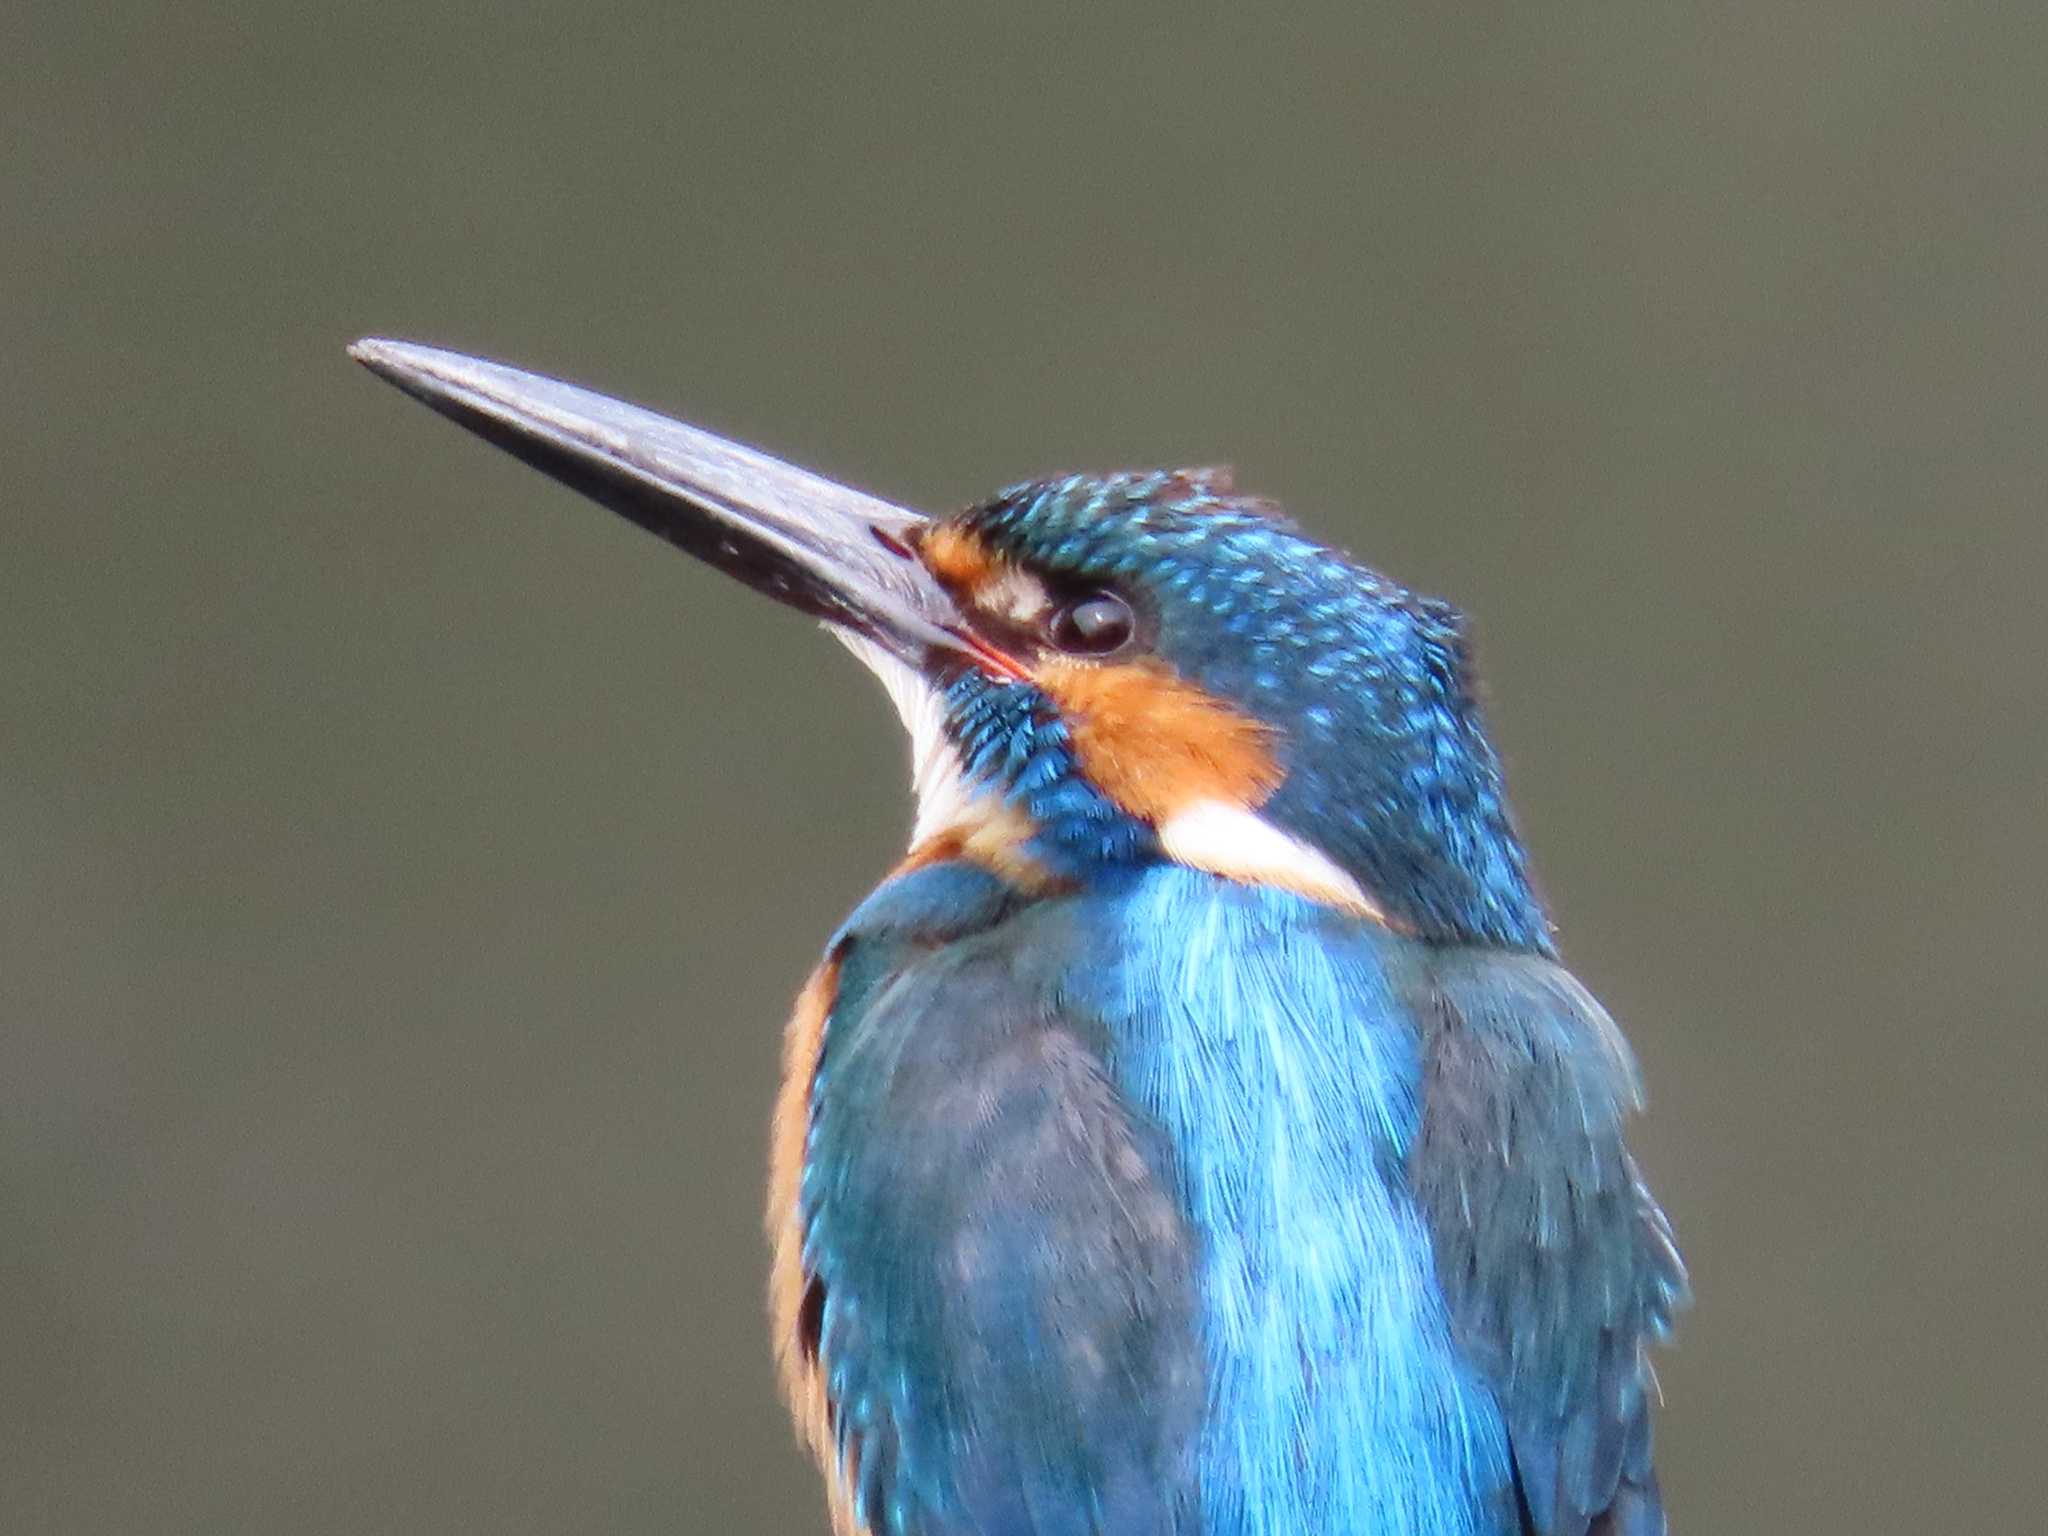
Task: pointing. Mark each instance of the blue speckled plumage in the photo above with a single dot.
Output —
(1197, 1135)
(1166, 1203)
(1388, 768)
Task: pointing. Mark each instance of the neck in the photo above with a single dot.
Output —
(999, 783)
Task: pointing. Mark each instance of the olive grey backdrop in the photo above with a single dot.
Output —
(405, 866)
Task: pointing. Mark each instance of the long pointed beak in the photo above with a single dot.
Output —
(827, 550)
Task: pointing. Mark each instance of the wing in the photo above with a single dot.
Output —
(997, 1291)
(1557, 1264)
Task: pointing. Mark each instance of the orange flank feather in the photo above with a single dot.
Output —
(1154, 742)
(794, 1300)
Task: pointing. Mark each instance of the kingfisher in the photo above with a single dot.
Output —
(1196, 1134)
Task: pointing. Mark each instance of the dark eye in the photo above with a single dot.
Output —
(1093, 625)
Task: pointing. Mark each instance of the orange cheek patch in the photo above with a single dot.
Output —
(1155, 743)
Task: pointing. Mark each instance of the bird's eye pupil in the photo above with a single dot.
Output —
(1094, 625)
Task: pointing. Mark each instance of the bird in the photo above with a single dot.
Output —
(1196, 1133)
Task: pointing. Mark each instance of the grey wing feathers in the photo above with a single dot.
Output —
(1557, 1264)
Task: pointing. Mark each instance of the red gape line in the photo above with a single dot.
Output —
(999, 662)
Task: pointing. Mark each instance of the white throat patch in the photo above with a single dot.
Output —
(944, 797)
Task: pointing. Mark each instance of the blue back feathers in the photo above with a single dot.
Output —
(1140, 1210)
(1271, 1042)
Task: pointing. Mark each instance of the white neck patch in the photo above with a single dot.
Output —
(1239, 844)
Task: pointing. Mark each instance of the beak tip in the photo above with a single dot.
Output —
(382, 356)
(406, 363)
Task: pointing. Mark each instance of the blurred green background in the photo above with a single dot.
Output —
(405, 867)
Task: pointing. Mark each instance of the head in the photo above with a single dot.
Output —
(1097, 672)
